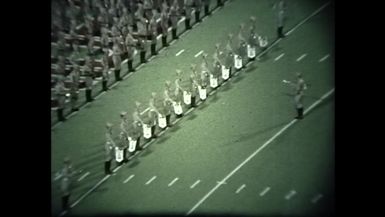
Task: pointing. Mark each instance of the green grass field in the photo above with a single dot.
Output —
(213, 140)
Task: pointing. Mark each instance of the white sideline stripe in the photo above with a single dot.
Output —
(199, 53)
(83, 176)
(301, 57)
(240, 188)
(254, 154)
(179, 53)
(311, 15)
(149, 181)
(290, 194)
(264, 191)
(129, 178)
(195, 184)
(279, 57)
(323, 58)
(92, 189)
(173, 181)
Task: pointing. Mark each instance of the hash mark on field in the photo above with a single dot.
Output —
(83, 176)
(199, 53)
(301, 57)
(323, 58)
(279, 57)
(195, 184)
(240, 188)
(173, 181)
(149, 181)
(129, 178)
(179, 53)
(290, 194)
(264, 191)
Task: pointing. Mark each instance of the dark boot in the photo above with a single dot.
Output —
(107, 166)
(164, 41)
(197, 17)
(299, 113)
(104, 85)
(60, 115)
(130, 68)
(187, 23)
(193, 101)
(174, 36)
(89, 95)
(142, 56)
(207, 12)
(153, 49)
(117, 75)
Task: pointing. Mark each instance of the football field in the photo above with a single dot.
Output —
(240, 152)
